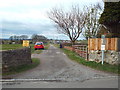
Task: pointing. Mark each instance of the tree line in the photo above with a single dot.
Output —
(15, 37)
(111, 18)
(34, 38)
(24, 37)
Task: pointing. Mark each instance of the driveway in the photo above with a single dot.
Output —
(57, 70)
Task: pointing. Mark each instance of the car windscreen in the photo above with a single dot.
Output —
(38, 44)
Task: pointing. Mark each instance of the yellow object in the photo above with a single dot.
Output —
(25, 43)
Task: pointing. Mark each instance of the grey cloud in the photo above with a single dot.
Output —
(19, 28)
(27, 28)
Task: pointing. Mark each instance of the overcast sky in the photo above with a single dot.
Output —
(29, 17)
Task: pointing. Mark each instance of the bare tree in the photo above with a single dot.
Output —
(69, 23)
(92, 25)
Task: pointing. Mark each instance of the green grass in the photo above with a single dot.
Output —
(22, 68)
(10, 46)
(47, 46)
(17, 46)
(105, 67)
(32, 48)
(57, 45)
(83, 41)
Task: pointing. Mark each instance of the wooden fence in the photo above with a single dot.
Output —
(111, 44)
(69, 48)
(81, 50)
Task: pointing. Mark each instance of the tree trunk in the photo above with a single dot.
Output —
(73, 42)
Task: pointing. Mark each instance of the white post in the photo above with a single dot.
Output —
(103, 47)
(102, 57)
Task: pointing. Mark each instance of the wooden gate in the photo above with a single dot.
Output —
(81, 50)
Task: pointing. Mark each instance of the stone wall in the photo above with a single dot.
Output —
(111, 57)
(13, 58)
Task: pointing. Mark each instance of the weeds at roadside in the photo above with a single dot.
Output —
(105, 67)
(22, 68)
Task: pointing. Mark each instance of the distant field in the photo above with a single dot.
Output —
(17, 46)
(10, 46)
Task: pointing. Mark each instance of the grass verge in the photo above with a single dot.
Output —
(105, 67)
(22, 68)
(56, 45)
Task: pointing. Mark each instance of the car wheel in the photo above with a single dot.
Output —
(35, 48)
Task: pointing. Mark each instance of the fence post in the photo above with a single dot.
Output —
(87, 55)
(116, 44)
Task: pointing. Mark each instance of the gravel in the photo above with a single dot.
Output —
(56, 66)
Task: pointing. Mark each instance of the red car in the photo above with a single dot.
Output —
(39, 45)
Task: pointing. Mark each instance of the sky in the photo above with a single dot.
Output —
(28, 17)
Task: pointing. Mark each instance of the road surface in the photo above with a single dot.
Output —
(56, 70)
